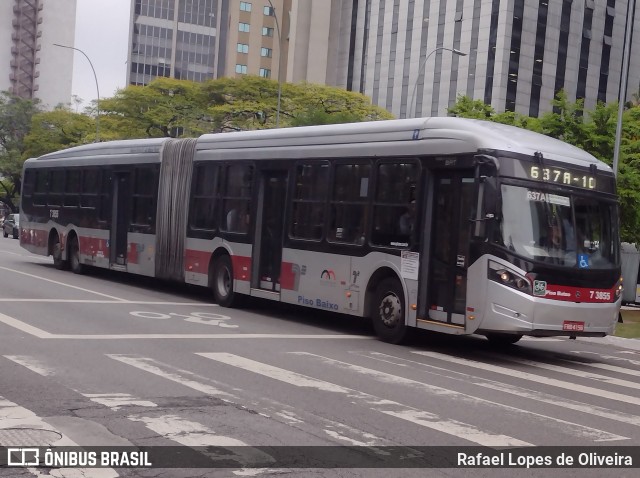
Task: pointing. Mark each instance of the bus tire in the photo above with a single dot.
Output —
(388, 312)
(222, 281)
(502, 340)
(74, 257)
(56, 251)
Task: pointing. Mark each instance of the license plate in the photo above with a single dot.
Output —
(573, 326)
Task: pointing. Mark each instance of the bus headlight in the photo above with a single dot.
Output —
(505, 276)
(619, 287)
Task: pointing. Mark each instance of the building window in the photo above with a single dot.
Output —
(265, 73)
(267, 31)
(243, 48)
(268, 11)
(242, 69)
(266, 52)
(245, 6)
(243, 27)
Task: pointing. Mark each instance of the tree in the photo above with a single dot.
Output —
(15, 122)
(58, 129)
(251, 103)
(164, 108)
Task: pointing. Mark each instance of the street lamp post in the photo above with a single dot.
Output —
(97, 87)
(279, 63)
(622, 94)
(421, 68)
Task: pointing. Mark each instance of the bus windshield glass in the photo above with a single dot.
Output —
(560, 229)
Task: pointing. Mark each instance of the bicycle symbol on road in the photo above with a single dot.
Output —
(205, 318)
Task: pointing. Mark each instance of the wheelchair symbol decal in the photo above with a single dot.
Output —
(204, 318)
(583, 261)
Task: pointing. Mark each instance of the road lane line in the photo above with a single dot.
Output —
(61, 283)
(574, 387)
(29, 329)
(535, 395)
(576, 429)
(110, 302)
(387, 407)
(41, 334)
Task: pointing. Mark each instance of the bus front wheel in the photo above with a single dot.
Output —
(502, 340)
(388, 312)
(222, 281)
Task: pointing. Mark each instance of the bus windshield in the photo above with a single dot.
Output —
(561, 229)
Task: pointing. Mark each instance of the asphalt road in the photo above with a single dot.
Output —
(107, 359)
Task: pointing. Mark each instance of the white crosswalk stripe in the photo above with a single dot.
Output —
(598, 392)
(534, 395)
(425, 388)
(459, 429)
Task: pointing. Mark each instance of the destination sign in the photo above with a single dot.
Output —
(562, 176)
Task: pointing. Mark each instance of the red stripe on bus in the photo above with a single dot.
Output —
(288, 276)
(197, 261)
(579, 294)
(241, 267)
(93, 246)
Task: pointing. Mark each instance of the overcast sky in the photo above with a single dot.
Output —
(102, 32)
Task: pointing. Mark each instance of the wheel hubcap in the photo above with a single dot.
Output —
(390, 310)
(224, 282)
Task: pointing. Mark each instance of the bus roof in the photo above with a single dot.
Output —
(469, 136)
(108, 148)
(476, 134)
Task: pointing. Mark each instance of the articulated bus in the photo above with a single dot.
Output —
(446, 224)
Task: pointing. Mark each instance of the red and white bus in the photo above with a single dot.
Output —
(447, 224)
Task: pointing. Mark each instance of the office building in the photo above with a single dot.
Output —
(30, 65)
(518, 54)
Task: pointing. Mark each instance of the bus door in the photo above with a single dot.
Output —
(267, 255)
(120, 218)
(450, 237)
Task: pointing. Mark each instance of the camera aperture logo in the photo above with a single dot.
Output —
(35, 457)
(23, 456)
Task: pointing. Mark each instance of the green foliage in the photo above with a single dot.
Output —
(15, 123)
(594, 131)
(58, 129)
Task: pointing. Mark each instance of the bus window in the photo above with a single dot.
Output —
(56, 188)
(309, 201)
(236, 201)
(205, 189)
(72, 188)
(41, 187)
(394, 213)
(349, 203)
(106, 191)
(90, 188)
(143, 195)
(29, 183)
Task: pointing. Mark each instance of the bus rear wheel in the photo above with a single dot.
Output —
(56, 251)
(388, 312)
(502, 340)
(222, 281)
(74, 257)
